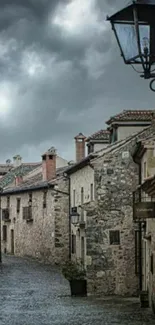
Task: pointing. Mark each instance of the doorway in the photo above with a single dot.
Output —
(12, 242)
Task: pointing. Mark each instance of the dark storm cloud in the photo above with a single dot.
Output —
(60, 79)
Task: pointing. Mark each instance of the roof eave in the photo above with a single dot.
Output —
(26, 189)
(80, 165)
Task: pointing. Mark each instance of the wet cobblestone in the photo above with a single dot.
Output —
(34, 294)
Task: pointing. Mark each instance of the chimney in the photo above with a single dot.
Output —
(18, 180)
(17, 160)
(80, 147)
(49, 164)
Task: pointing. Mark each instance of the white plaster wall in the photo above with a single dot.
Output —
(125, 131)
(82, 178)
(100, 146)
(61, 162)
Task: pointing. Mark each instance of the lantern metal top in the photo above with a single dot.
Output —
(134, 28)
(146, 10)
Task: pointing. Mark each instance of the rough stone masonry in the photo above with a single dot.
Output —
(112, 266)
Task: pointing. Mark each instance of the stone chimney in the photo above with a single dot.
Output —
(18, 180)
(17, 160)
(49, 164)
(80, 147)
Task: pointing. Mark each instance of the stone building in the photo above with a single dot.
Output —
(128, 122)
(35, 212)
(97, 141)
(144, 215)
(102, 227)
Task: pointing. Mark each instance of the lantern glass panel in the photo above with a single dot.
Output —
(127, 38)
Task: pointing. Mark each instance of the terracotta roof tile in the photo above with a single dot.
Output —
(100, 135)
(132, 115)
(34, 182)
(23, 169)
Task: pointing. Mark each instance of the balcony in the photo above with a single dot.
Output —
(143, 206)
(6, 215)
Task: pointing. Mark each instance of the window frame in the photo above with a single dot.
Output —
(4, 233)
(18, 206)
(74, 197)
(112, 233)
(73, 245)
(44, 199)
(91, 192)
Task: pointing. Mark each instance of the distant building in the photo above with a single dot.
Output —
(35, 210)
(127, 123)
(97, 141)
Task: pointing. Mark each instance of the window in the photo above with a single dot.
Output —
(18, 205)
(73, 244)
(145, 170)
(4, 233)
(74, 197)
(8, 201)
(114, 237)
(90, 148)
(30, 199)
(82, 195)
(91, 192)
(44, 199)
(137, 242)
(151, 263)
(27, 213)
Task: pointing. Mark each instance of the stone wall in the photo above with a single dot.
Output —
(111, 268)
(46, 237)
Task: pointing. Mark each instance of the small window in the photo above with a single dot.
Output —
(27, 213)
(91, 192)
(114, 237)
(18, 205)
(30, 199)
(8, 201)
(74, 198)
(44, 199)
(151, 263)
(82, 195)
(145, 170)
(4, 233)
(73, 244)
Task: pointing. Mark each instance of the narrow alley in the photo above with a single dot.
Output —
(32, 293)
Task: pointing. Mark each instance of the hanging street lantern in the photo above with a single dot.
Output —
(134, 28)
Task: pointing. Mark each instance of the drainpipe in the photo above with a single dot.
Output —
(140, 236)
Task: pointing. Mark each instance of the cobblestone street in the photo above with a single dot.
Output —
(34, 294)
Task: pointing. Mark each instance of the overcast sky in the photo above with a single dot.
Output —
(60, 74)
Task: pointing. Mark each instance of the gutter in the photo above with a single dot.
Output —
(26, 189)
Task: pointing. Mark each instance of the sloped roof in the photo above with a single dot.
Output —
(114, 147)
(23, 169)
(100, 135)
(132, 115)
(34, 183)
(4, 168)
